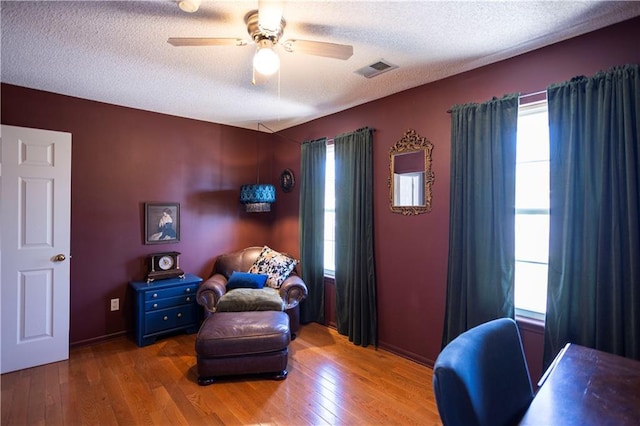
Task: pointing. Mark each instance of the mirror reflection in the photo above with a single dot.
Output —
(408, 178)
(410, 175)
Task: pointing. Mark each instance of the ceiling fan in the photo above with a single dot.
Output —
(266, 26)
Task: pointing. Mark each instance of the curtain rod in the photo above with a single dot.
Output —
(293, 140)
(520, 96)
(532, 94)
(361, 128)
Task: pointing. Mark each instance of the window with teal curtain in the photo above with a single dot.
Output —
(532, 209)
(593, 294)
(480, 278)
(312, 184)
(355, 278)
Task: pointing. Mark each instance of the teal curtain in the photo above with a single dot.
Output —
(593, 294)
(312, 183)
(480, 275)
(355, 277)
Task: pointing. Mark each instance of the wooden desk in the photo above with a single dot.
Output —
(587, 387)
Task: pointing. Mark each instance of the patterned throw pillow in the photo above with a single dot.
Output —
(276, 265)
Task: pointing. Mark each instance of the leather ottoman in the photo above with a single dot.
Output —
(234, 343)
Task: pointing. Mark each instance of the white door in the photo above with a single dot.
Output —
(35, 220)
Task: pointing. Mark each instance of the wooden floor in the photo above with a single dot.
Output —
(331, 381)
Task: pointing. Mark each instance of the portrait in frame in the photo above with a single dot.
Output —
(161, 223)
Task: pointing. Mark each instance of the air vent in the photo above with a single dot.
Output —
(376, 68)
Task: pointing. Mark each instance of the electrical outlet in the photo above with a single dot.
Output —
(115, 304)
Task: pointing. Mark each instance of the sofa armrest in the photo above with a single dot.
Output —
(293, 291)
(210, 291)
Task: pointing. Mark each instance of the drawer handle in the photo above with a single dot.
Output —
(155, 305)
(165, 318)
(154, 295)
(179, 315)
(188, 299)
(188, 290)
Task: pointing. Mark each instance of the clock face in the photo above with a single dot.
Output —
(165, 262)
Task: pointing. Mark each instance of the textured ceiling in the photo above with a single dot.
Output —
(117, 52)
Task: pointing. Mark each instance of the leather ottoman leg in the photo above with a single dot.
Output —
(205, 381)
(281, 375)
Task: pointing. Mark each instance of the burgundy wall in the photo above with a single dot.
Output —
(411, 252)
(122, 157)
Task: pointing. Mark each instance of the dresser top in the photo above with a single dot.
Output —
(171, 282)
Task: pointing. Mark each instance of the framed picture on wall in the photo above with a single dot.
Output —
(161, 223)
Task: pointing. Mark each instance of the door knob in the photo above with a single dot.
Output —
(59, 258)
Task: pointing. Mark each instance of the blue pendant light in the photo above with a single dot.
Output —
(258, 197)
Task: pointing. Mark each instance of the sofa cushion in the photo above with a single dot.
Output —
(250, 299)
(246, 280)
(276, 265)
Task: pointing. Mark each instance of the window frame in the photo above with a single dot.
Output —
(530, 108)
(331, 210)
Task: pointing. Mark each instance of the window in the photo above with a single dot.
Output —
(532, 210)
(330, 213)
(408, 189)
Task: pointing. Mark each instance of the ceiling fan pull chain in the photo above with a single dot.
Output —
(279, 109)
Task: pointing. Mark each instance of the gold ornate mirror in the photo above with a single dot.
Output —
(410, 175)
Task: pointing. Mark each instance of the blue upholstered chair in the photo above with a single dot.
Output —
(481, 377)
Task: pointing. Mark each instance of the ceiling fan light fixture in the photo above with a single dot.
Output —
(266, 61)
(189, 6)
(270, 16)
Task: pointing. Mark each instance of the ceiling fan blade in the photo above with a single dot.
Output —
(270, 15)
(205, 41)
(318, 48)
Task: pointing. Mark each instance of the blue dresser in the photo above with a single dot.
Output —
(166, 306)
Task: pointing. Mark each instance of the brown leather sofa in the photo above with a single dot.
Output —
(292, 291)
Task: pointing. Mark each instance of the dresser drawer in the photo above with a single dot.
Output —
(170, 302)
(167, 319)
(170, 292)
(166, 306)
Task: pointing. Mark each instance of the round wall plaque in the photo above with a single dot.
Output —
(287, 180)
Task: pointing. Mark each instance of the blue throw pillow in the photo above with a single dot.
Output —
(246, 280)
